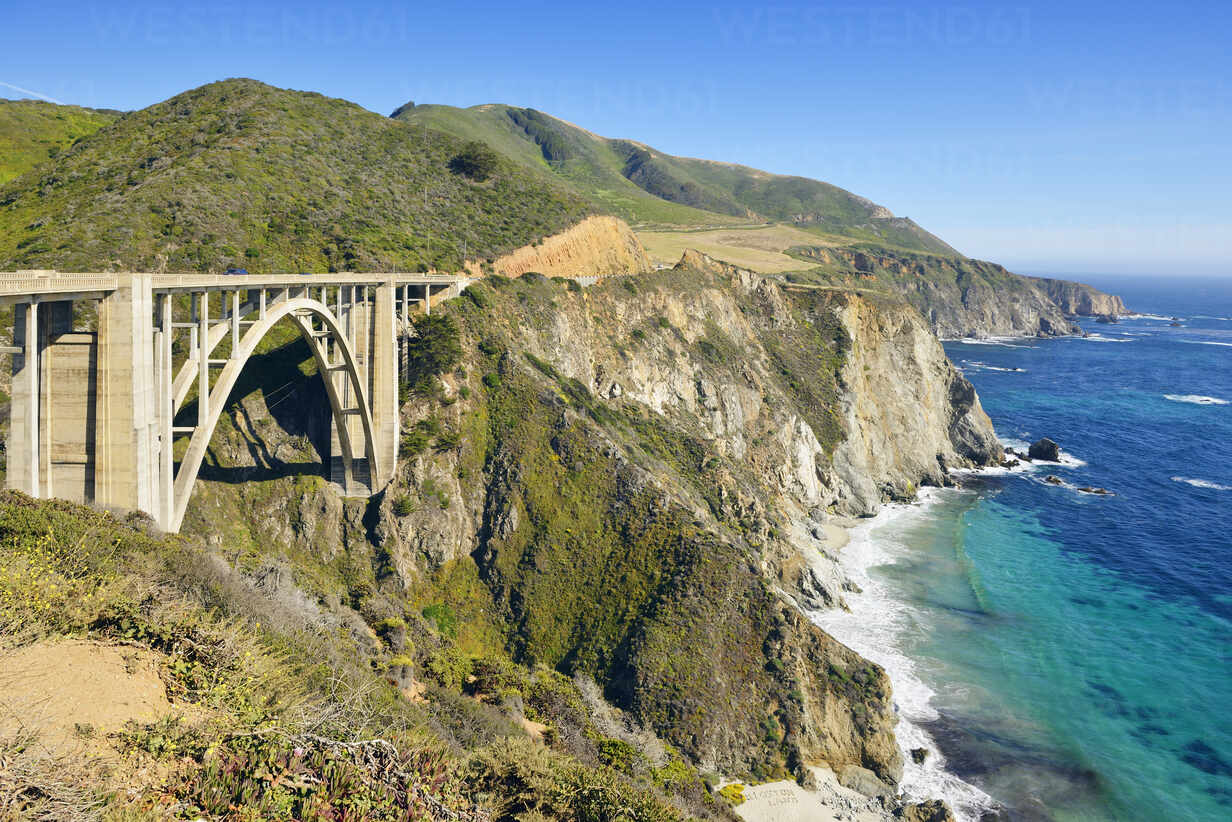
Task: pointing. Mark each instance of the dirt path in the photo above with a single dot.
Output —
(71, 693)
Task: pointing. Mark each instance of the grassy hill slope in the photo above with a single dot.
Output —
(238, 172)
(644, 185)
(32, 132)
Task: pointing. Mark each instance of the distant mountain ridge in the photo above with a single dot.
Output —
(241, 173)
(644, 185)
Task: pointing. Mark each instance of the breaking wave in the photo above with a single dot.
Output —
(1195, 399)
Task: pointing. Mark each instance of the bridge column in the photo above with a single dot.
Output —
(166, 413)
(23, 443)
(383, 369)
(125, 463)
(54, 318)
(348, 314)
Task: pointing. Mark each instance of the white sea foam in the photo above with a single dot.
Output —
(1022, 446)
(1206, 342)
(1208, 317)
(1151, 317)
(1195, 399)
(874, 628)
(1004, 342)
(983, 366)
(1102, 338)
(1201, 483)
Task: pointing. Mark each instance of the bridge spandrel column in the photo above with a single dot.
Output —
(361, 339)
(55, 319)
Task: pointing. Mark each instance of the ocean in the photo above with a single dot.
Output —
(1065, 656)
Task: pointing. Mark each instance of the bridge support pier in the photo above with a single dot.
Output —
(126, 463)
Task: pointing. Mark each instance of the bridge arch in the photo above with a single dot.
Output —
(303, 311)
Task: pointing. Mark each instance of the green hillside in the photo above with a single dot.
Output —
(238, 172)
(644, 185)
(32, 132)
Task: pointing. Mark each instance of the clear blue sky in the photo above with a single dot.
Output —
(1075, 136)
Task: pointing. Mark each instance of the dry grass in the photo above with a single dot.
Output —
(759, 248)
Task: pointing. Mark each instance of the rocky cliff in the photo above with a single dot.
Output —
(1080, 299)
(628, 483)
(960, 297)
(597, 246)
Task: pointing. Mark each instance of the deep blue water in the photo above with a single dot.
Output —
(1079, 648)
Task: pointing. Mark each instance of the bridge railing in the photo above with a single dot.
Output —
(54, 282)
(28, 283)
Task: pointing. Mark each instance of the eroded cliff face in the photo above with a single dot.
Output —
(637, 475)
(655, 445)
(1080, 299)
(597, 246)
(963, 297)
(909, 415)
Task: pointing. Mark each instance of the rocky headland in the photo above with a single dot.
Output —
(641, 481)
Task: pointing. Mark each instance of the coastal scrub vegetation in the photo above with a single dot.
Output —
(279, 718)
(241, 173)
(33, 132)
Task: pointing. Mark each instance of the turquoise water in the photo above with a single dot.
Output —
(1068, 656)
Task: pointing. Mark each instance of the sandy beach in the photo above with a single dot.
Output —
(786, 801)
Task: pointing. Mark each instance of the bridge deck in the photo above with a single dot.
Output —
(21, 286)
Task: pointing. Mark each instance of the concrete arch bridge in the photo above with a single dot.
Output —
(94, 412)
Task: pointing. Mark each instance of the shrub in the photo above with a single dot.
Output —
(733, 793)
(448, 441)
(436, 349)
(492, 379)
(478, 295)
(442, 618)
(413, 443)
(618, 754)
(404, 506)
(448, 667)
(476, 161)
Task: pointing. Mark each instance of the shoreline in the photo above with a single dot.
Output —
(872, 629)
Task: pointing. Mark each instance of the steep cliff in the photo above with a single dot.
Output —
(1080, 299)
(628, 483)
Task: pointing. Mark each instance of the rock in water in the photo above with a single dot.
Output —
(1053, 479)
(918, 755)
(1045, 449)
